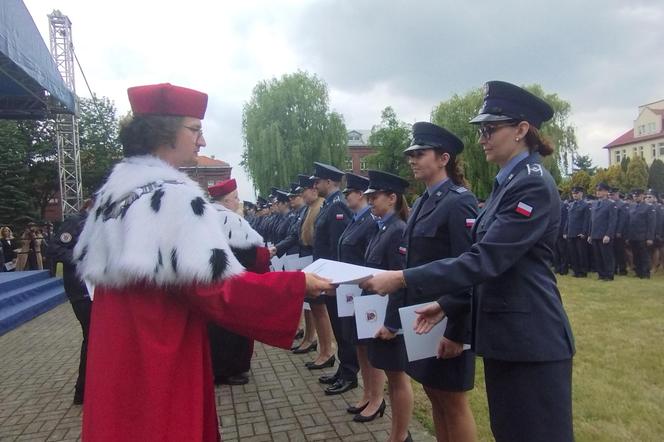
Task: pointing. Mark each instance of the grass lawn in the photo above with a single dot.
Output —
(619, 365)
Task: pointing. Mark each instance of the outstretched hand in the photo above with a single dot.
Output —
(427, 317)
(384, 283)
(317, 285)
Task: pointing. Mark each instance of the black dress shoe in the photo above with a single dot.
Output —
(326, 364)
(238, 379)
(78, 397)
(299, 334)
(408, 438)
(356, 410)
(328, 379)
(380, 411)
(341, 386)
(312, 347)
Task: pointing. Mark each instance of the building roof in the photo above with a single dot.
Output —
(364, 135)
(629, 138)
(203, 161)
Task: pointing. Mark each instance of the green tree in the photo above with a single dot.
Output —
(15, 198)
(390, 138)
(100, 147)
(637, 173)
(624, 164)
(454, 114)
(580, 179)
(585, 163)
(656, 176)
(287, 125)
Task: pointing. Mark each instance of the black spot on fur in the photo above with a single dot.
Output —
(83, 253)
(198, 205)
(155, 201)
(159, 260)
(98, 213)
(108, 210)
(225, 219)
(174, 260)
(123, 211)
(218, 262)
(230, 233)
(247, 257)
(246, 236)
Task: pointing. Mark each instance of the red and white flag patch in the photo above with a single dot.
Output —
(403, 250)
(524, 209)
(470, 222)
(340, 216)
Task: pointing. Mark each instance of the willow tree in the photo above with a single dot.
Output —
(287, 125)
(454, 114)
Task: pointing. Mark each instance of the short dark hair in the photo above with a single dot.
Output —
(142, 134)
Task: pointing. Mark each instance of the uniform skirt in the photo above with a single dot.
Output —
(388, 355)
(455, 374)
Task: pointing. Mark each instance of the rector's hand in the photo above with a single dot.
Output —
(384, 283)
(385, 334)
(428, 316)
(449, 349)
(317, 286)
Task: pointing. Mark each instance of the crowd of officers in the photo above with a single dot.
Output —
(610, 232)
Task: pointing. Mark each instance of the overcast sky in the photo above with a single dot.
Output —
(605, 57)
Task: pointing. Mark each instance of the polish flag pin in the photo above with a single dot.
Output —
(524, 209)
(340, 216)
(402, 250)
(470, 222)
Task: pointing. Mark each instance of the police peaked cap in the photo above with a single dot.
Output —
(305, 181)
(576, 189)
(295, 189)
(385, 182)
(603, 186)
(356, 182)
(505, 101)
(248, 205)
(282, 196)
(430, 136)
(326, 172)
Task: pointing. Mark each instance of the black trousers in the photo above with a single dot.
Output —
(230, 353)
(530, 401)
(604, 259)
(620, 256)
(82, 308)
(561, 261)
(342, 329)
(578, 252)
(641, 258)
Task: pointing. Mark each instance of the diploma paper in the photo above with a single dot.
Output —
(304, 261)
(369, 315)
(346, 294)
(340, 272)
(291, 262)
(306, 306)
(421, 346)
(277, 264)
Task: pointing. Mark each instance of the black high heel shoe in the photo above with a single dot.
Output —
(312, 347)
(381, 411)
(326, 364)
(356, 410)
(408, 438)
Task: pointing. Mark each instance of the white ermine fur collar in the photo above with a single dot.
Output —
(239, 233)
(169, 235)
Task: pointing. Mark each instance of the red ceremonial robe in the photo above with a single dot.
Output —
(149, 375)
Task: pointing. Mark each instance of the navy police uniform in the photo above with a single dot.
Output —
(440, 227)
(332, 220)
(61, 249)
(521, 329)
(604, 222)
(578, 228)
(621, 234)
(642, 227)
(383, 252)
(561, 256)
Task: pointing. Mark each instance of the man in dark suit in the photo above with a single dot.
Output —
(642, 227)
(621, 232)
(578, 228)
(604, 220)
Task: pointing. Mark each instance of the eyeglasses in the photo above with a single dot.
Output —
(197, 130)
(487, 131)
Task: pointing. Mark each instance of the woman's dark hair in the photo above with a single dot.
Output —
(536, 142)
(401, 206)
(454, 170)
(142, 134)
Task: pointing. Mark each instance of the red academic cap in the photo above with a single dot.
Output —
(222, 188)
(166, 99)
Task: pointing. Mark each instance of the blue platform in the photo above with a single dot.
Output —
(26, 295)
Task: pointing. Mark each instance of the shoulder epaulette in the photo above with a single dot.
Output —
(458, 189)
(534, 169)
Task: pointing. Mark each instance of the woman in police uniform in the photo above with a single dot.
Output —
(387, 350)
(521, 329)
(440, 227)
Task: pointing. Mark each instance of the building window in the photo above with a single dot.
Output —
(617, 156)
(349, 163)
(363, 165)
(651, 127)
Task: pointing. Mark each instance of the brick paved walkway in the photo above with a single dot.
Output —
(283, 401)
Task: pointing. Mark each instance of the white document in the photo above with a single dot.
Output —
(346, 294)
(277, 264)
(291, 262)
(425, 345)
(304, 261)
(306, 306)
(369, 315)
(341, 272)
(9, 266)
(91, 289)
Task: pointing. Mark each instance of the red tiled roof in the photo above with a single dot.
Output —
(628, 137)
(203, 161)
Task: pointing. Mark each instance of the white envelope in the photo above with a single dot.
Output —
(346, 294)
(421, 346)
(369, 315)
(340, 272)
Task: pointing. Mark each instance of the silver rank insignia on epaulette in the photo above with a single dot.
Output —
(459, 189)
(534, 169)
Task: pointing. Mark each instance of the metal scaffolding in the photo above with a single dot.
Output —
(69, 158)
